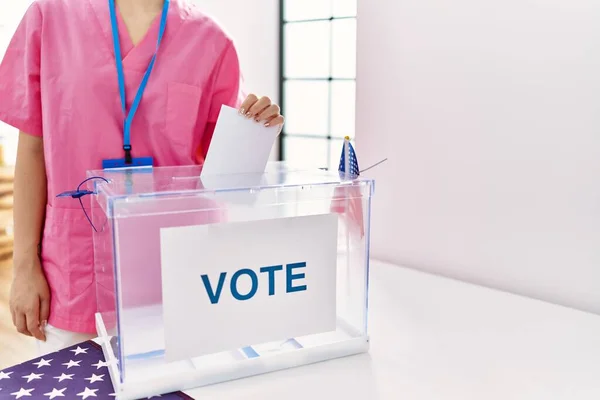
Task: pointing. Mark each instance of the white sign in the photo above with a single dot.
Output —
(231, 285)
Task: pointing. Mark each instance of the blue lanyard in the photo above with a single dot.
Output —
(121, 76)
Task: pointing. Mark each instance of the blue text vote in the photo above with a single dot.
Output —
(214, 293)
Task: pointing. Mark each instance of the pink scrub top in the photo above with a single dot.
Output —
(58, 81)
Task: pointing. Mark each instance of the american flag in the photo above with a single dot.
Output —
(77, 372)
(348, 161)
(347, 199)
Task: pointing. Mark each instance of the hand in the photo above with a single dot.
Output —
(262, 110)
(30, 298)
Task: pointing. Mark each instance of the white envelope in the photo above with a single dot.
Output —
(239, 145)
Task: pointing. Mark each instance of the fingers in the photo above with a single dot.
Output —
(247, 104)
(271, 116)
(44, 310)
(277, 121)
(253, 107)
(33, 323)
(262, 110)
(268, 113)
(44, 315)
(257, 108)
(21, 324)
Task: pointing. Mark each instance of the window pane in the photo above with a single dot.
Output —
(343, 108)
(344, 8)
(295, 10)
(305, 152)
(307, 107)
(307, 50)
(344, 48)
(336, 147)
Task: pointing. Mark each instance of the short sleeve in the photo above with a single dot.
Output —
(20, 98)
(227, 86)
(227, 90)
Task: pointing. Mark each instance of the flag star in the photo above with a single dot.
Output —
(22, 393)
(55, 393)
(88, 393)
(95, 378)
(72, 363)
(113, 395)
(42, 363)
(100, 364)
(79, 350)
(64, 376)
(5, 375)
(32, 376)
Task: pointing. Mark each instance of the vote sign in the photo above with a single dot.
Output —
(231, 285)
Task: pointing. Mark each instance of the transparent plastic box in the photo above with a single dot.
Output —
(131, 207)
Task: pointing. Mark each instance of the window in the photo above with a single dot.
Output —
(318, 79)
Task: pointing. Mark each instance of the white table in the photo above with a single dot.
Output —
(438, 339)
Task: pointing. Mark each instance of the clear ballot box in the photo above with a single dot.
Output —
(201, 280)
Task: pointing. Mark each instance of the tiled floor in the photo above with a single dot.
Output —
(14, 348)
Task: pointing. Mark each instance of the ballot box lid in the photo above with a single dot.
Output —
(145, 181)
(126, 186)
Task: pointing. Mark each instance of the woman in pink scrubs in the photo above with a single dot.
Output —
(62, 85)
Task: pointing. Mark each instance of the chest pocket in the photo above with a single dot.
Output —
(183, 103)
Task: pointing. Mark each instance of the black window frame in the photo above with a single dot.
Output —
(283, 79)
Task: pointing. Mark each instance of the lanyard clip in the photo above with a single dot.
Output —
(128, 158)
